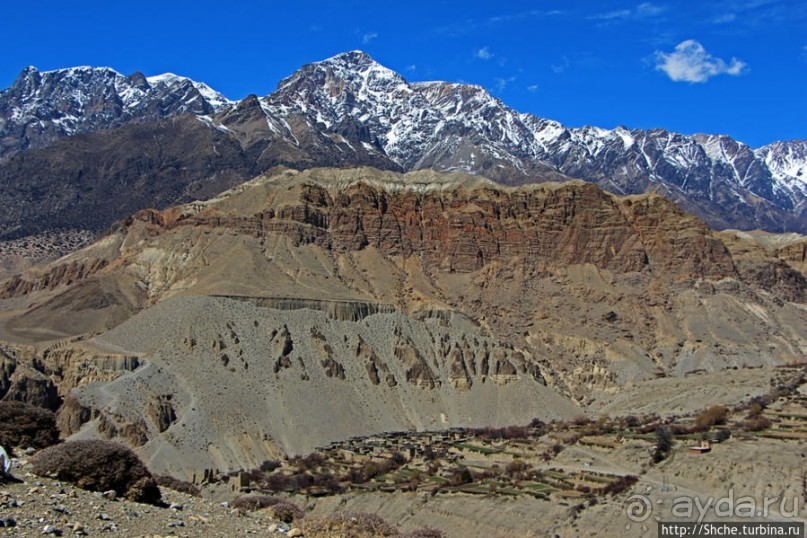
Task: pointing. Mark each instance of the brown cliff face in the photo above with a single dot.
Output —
(60, 275)
(450, 224)
(461, 230)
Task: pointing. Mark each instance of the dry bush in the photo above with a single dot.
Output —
(347, 525)
(287, 512)
(425, 532)
(572, 438)
(722, 435)
(619, 485)
(26, 425)
(270, 465)
(182, 486)
(309, 462)
(581, 420)
(756, 424)
(630, 421)
(712, 416)
(251, 503)
(98, 466)
(508, 432)
(664, 442)
(518, 469)
(277, 482)
(756, 409)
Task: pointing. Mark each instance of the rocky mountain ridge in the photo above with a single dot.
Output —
(43, 106)
(447, 126)
(349, 110)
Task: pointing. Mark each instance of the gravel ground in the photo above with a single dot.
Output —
(37, 506)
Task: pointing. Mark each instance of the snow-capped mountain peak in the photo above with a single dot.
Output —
(172, 82)
(350, 109)
(42, 106)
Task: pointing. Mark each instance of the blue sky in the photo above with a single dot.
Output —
(735, 67)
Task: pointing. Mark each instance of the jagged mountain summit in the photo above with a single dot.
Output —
(42, 106)
(462, 127)
(350, 110)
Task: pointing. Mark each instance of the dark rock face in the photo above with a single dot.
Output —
(88, 181)
(25, 381)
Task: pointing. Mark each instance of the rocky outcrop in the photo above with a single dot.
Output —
(25, 380)
(338, 310)
(60, 275)
(377, 369)
(463, 230)
(161, 412)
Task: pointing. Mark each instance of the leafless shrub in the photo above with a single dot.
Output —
(347, 525)
(755, 424)
(516, 468)
(309, 462)
(712, 416)
(664, 442)
(508, 432)
(287, 512)
(619, 485)
(182, 486)
(269, 465)
(277, 482)
(26, 425)
(98, 466)
(251, 503)
(425, 532)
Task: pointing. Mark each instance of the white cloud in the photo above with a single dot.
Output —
(411, 67)
(618, 14)
(725, 18)
(560, 67)
(369, 36)
(645, 10)
(501, 83)
(484, 53)
(532, 88)
(690, 62)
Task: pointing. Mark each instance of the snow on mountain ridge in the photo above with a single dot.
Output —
(452, 126)
(42, 106)
(787, 162)
(350, 104)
